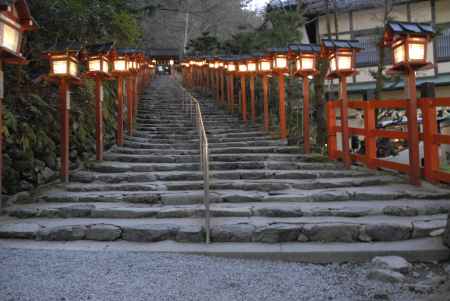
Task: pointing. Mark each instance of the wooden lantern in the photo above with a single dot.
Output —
(280, 62)
(64, 62)
(342, 56)
(306, 58)
(15, 19)
(409, 43)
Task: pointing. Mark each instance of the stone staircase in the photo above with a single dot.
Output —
(262, 191)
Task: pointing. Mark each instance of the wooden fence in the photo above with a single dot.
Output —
(429, 134)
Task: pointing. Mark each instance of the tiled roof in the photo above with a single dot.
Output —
(65, 46)
(320, 6)
(351, 44)
(278, 50)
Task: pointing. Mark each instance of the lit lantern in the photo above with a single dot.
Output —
(120, 62)
(264, 65)
(242, 66)
(252, 65)
(342, 56)
(280, 63)
(171, 62)
(15, 19)
(409, 43)
(98, 58)
(306, 57)
(64, 61)
(231, 66)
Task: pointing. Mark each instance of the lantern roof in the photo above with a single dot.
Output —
(72, 47)
(341, 44)
(421, 29)
(304, 48)
(278, 50)
(23, 13)
(96, 49)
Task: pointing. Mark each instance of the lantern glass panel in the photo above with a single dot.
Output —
(242, 68)
(95, 65)
(307, 63)
(59, 67)
(11, 37)
(333, 64)
(344, 62)
(280, 62)
(416, 51)
(171, 62)
(105, 66)
(211, 65)
(73, 69)
(231, 67)
(264, 66)
(251, 67)
(120, 65)
(399, 53)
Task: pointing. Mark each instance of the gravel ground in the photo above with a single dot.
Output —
(82, 275)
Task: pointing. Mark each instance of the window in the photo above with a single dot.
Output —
(443, 45)
(370, 55)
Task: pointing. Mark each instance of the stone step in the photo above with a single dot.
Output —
(249, 157)
(146, 145)
(413, 250)
(215, 150)
(117, 167)
(235, 229)
(280, 209)
(180, 197)
(131, 177)
(272, 185)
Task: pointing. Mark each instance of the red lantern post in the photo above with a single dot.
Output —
(98, 69)
(342, 56)
(305, 56)
(14, 22)
(265, 70)
(409, 43)
(121, 68)
(242, 70)
(64, 70)
(280, 66)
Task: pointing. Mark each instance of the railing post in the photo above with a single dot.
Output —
(232, 93)
(331, 126)
(430, 129)
(222, 86)
(371, 140)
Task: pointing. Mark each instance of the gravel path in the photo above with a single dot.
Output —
(81, 275)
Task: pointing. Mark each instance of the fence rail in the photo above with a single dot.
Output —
(192, 106)
(429, 135)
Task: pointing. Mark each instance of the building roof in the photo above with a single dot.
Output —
(163, 52)
(278, 50)
(334, 44)
(318, 7)
(70, 46)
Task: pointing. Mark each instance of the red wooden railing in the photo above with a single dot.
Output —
(429, 135)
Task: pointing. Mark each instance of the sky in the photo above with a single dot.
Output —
(258, 4)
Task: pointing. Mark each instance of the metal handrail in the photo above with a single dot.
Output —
(191, 105)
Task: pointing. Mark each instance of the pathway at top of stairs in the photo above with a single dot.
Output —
(262, 190)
